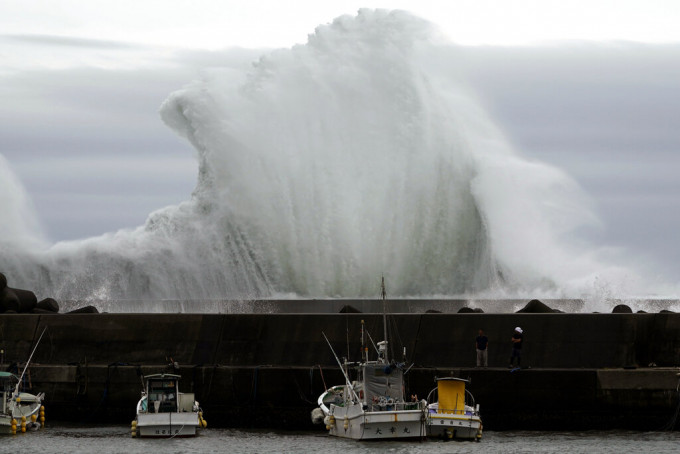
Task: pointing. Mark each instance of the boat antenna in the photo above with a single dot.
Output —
(364, 350)
(16, 389)
(347, 380)
(384, 293)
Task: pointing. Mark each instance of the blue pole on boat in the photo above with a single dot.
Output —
(382, 289)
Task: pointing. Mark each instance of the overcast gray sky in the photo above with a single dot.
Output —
(591, 87)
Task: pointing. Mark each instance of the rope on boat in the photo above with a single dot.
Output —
(253, 386)
(670, 425)
(322, 379)
(213, 376)
(255, 379)
(371, 339)
(393, 326)
(82, 380)
(311, 379)
(105, 394)
(300, 391)
(16, 389)
(176, 433)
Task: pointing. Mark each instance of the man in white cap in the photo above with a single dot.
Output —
(516, 339)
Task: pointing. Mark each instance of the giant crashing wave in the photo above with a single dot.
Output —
(326, 165)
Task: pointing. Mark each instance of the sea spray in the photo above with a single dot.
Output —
(355, 155)
(19, 221)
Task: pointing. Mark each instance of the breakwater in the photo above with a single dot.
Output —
(266, 370)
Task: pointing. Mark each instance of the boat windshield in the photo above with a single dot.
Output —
(162, 396)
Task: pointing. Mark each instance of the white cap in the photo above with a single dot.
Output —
(518, 329)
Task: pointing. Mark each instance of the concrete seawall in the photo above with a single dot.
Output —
(266, 370)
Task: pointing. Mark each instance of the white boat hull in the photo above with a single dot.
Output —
(6, 425)
(449, 426)
(164, 425)
(355, 423)
(28, 408)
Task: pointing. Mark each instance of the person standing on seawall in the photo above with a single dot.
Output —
(517, 340)
(481, 344)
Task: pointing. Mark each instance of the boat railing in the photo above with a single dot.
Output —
(470, 399)
(470, 405)
(468, 411)
(398, 406)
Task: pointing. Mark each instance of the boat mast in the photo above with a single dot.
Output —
(364, 349)
(16, 389)
(382, 290)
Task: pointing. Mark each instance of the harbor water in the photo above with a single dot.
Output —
(116, 439)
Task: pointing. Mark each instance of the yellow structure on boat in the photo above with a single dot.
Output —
(449, 415)
(451, 395)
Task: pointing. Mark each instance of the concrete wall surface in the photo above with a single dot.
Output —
(432, 340)
(266, 370)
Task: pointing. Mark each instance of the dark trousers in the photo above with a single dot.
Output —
(516, 353)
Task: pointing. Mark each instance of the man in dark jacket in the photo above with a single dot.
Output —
(481, 344)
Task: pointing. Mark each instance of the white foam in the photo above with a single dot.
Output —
(19, 228)
(326, 165)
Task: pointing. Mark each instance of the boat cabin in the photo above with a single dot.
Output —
(383, 386)
(162, 393)
(7, 384)
(451, 396)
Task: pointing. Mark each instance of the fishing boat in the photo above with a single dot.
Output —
(372, 407)
(21, 411)
(164, 412)
(452, 412)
